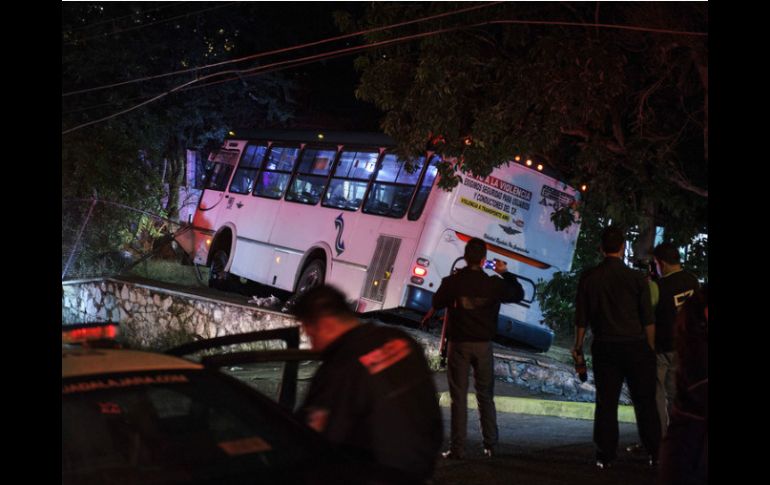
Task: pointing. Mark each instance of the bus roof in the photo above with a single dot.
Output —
(333, 137)
(371, 139)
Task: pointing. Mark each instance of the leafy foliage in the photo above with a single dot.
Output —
(128, 159)
(623, 111)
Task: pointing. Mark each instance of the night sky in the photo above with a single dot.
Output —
(325, 94)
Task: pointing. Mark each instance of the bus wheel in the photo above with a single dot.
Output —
(312, 276)
(218, 277)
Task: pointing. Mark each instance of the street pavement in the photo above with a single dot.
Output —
(541, 450)
(546, 446)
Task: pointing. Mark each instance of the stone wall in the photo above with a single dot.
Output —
(157, 318)
(154, 317)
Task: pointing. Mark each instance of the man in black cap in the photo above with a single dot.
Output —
(615, 301)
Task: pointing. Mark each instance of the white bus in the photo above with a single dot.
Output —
(296, 209)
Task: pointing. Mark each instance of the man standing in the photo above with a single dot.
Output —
(374, 394)
(473, 299)
(615, 301)
(675, 286)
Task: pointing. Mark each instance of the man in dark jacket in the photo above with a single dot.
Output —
(374, 394)
(675, 286)
(615, 301)
(473, 299)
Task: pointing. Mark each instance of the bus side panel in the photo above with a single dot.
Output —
(254, 217)
(409, 233)
(299, 227)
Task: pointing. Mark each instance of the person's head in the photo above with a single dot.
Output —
(324, 314)
(667, 257)
(613, 241)
(475, 251)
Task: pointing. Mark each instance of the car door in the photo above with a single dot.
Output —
(268, 360)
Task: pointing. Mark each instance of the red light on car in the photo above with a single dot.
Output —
(89, 334)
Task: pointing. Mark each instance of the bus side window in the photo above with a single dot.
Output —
(219, 173)
(351, 177)
(393, 187)
(275, 176)
(310, 181)
(418, 204)
(246, 174)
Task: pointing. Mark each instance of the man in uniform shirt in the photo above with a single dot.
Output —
(675, 285)
(615, 301)
(374, 394)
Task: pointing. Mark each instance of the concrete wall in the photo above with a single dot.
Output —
(156, 318)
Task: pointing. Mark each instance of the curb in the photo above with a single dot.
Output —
(543, 407)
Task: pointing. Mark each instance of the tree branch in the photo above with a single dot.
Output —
(679, 179)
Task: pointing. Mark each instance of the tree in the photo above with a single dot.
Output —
(625, 112)
(142, 42)
(128, 159)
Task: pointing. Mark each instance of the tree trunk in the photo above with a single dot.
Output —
(175, 178)
(644, 244)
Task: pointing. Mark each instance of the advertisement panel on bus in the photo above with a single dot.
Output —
(511, 210)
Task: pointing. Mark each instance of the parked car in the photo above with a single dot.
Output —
(135, 417)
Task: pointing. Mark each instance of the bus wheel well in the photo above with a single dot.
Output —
(316, 253)
(223, 241)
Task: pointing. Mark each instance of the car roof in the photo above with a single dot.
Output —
(94, 361)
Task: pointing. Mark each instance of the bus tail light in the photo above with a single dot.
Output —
(420, 271)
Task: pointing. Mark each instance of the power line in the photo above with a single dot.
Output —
(270, 68)
(342, 52)
(283, 50)
(604, 26)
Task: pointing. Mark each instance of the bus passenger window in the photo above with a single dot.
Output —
(393, 187)
(274, 178)
(243, 180)
(310, 180)
(418, 204)
(351, 177)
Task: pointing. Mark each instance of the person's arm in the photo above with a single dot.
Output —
(512, 291)
(654, 294)
(581, 318)
(427, 317)
(442, 298)
(646, 315)
(577, 349)
(649, 330)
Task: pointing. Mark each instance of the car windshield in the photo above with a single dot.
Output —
(180, 427)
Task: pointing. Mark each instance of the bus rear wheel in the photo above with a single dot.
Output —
(218, 277)
(312, 276)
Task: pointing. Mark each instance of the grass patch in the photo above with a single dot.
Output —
(170, 271)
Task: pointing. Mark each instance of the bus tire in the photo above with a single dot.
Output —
(218, 277)
(312, 276)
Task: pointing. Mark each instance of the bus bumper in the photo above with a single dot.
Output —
(418, 299)
(538, 336)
